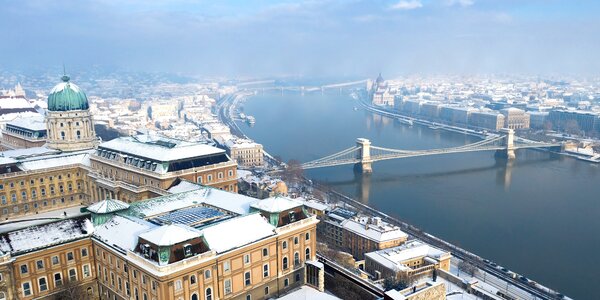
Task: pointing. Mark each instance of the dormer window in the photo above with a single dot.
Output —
(187, 250)
(145, 250)
(292, 216)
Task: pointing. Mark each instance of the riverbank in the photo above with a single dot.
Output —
(271, 116)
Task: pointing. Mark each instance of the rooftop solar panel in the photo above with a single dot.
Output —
(190, 216)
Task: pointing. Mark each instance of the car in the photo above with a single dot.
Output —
(524, 279)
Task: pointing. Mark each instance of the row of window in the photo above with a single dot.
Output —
(297, 262)
(209, 177)
(43, 284)
(34, 192)
(54, 260)
(33, 180)
(45, 203)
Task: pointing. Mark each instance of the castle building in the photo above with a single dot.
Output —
(69, 122)
(24, 132)
(201, 244)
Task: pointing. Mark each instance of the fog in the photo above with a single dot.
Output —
(324, 38)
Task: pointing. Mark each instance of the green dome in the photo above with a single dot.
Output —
(66, 96)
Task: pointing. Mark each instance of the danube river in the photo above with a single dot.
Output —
(539, 216)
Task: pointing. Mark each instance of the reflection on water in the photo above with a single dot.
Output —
(522, 214)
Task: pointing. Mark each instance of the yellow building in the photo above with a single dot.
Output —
(24, 132)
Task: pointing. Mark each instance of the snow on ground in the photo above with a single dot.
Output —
(41, 218)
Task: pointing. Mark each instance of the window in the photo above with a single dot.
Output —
(307, 236)
(57, 279)
(246, 258)
(43, 192)
(24, 269)
(226, 267)
(220, 175)
(13, 197)
(193, 279)
(127, 289)
(285, 263)
(26, 289)
(199, 179)
(3, 199)
(208, 294)
(266, 290)
(194, 297)
(227, 285)
(208, 178)
(70, 256)
(284, 245)
(78, 134)
(297, 277)
(39, 264)
(178, 285)
(265, 252)
(286, 282)
(24, 195)
(307, 256)
(247, 278)
(248, 297)
(84, 252)
(62, 134)
(33, 193)
(86, 271)
(154, 284)
(207, 274)
(43, 284)
(55, 260)
(295, 240)
(187, 250)
(265, 271)
(143, 279)
(73, 276)
(296, 259)
(230, 173)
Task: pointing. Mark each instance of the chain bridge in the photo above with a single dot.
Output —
(364, 154)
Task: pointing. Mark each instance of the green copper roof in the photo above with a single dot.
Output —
(67, 96)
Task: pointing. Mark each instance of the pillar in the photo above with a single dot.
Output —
(364, 155)
(509, 144)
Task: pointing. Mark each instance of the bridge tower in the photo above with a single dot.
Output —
(364, 155)
(509, 143)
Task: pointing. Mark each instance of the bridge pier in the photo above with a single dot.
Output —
(509, 143)
(364, 155)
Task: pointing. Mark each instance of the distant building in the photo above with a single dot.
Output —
(413, 259)
(490, 120)
(424, 291)
(515, 118)
(539, 120)
(381, 94)
(574, 121)
(25, 132)
(247, 153)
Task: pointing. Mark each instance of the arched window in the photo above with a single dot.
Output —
(62, 135)
(194, 297)
(296, 259)
(285, 263)
(78, 134)
(208, 294)
(193, 279)
(284, 245)
(2, 296)
(307, 253)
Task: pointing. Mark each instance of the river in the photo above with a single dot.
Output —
(538, 216)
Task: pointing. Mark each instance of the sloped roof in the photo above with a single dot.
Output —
(275, 204)
(168, 235)
(108, 206)
(237, 232)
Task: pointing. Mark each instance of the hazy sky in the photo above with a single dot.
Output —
(305, 37)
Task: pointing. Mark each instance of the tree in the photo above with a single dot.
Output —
(72, 290)
(467, 267)
(572, 127)
(293, 171)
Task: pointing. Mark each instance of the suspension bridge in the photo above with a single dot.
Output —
(363, 154)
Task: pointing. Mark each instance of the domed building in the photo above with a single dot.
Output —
(69, 122)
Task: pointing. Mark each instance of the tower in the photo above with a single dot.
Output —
(69, 122)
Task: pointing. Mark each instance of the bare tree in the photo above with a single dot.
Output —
(72, 290)
(467, 267)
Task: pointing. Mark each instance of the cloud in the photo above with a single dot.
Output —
(462, 3)
(407, 5)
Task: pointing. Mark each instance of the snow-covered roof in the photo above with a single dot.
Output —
(237, 232)
(312, 204)
(171, 234)
(41, 236)
(13, 103)
(393, 258)
(44, 162)
(307, 292)
(379, 233)
(160, 148)
(35, 123)
(108, 206)
(275, 204)
(184, 186)
(232, 202)
(122, 231)
(29, 152)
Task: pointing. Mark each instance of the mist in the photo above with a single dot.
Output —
(308, 38)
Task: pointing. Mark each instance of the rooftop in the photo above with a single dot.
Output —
(160, 148)
(393, 258)
(34, 123)
(168, 235)
(378, 231)
(237, 232)
(108, 206)
(122, 232)
(275, 204)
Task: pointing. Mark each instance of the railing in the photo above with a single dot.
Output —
(169, 268)
(294, 225)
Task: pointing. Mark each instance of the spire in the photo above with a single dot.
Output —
(65, 78)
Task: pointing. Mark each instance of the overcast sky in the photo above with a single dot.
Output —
(336, 37)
